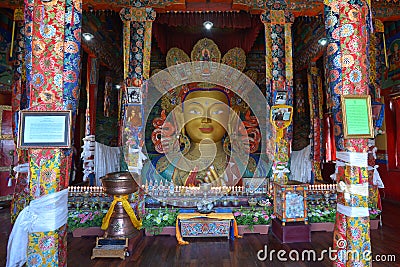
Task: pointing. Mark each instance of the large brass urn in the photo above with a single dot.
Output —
(119, 185)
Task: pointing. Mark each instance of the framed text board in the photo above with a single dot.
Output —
(357, 116)
(50, 129)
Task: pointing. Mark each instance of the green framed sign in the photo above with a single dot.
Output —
(357, 116)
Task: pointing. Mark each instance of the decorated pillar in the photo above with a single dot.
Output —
(348, 38)
(52, 61)
(315, 98)
(377, 56)
(138, 23)
(137, 47)
(19, 102)
(279, 79)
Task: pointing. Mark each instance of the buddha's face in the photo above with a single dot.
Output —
(206, 115)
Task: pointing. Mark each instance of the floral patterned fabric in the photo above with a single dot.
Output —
(346, 28)
(21, 192)
(137, 42)
(52, 71)
(47, 64)
(18, 85)
(72, 58)
(279, 64)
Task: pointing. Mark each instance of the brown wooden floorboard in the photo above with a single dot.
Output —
(209, 252)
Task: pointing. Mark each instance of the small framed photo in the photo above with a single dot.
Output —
(378, 114)
(280, 98)
(49, 129)
(134, 95)
(281, 113)
(134, 115)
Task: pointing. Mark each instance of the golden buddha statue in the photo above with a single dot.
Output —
(206, 121)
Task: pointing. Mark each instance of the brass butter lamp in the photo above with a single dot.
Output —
(120, 220)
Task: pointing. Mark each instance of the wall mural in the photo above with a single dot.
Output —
(107, 127)
(5, 64)
(392, 73)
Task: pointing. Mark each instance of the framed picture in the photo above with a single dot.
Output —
(357, 117)
(256, 185)
(281, 113)
(134, 115)
(280, 98)
(134, 95)
(5, 123)
(50, 129)
(378, 110)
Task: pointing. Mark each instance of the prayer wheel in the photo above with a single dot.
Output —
(120, 220)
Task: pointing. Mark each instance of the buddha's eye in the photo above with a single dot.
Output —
(217, 112)
(194, 111)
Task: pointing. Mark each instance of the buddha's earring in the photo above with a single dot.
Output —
(227, 144)
(184, 139)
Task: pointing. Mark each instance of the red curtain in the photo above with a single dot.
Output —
(396, 109)
(392, 119)
(183, 30)
(330, 147)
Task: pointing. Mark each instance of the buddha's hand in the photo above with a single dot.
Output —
(214, 178)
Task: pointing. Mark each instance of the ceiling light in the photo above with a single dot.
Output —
(208, 25)
(117, 86)
(323, 41)
(87, 36)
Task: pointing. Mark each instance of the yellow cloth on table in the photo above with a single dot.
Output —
(219, 216)
(127, 207)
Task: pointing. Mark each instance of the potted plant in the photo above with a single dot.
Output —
(85, 222)
(159, 221)
(321, 217)
(253, 220)
(374, 217)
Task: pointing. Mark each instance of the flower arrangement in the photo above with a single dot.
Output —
(321, 213)
(374, 213)
(154, 220)
(85, 218)
(253, 216)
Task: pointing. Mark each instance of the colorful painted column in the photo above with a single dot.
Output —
(137, 47)
(347, 26)
(315, 98)
(19, 102)
(279, 74)
(52, 44)
(376, 60)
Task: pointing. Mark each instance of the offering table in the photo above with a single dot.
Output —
(205, 225)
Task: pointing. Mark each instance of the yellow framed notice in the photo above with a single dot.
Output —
(357, 116)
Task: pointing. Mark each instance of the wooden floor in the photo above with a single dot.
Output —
(164, 251)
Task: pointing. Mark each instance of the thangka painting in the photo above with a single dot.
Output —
(5, 64)
(392, 73)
